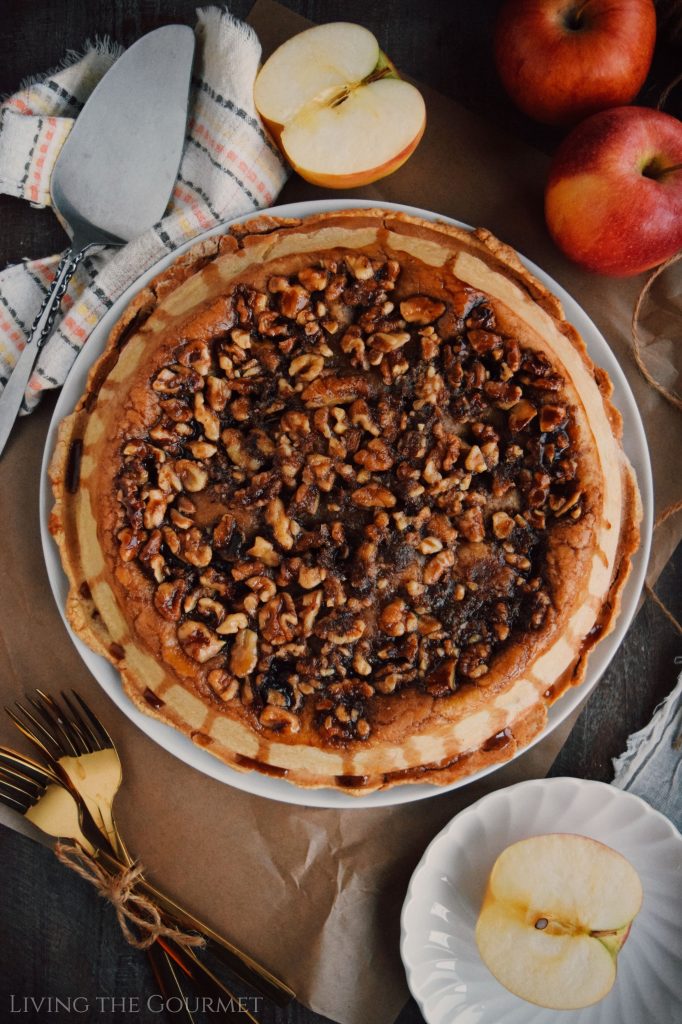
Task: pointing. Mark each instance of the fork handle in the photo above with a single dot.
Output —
(241, 963)
(235, 959)
(10, 401)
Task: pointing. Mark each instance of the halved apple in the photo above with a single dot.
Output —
(337, 108)
(556, 912)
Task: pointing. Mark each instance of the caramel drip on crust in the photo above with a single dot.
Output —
(262, 700)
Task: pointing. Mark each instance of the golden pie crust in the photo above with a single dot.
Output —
(345, 500)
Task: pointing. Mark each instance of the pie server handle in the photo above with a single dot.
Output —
(11, 398)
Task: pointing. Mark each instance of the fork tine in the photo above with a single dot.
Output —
(18, 770)
(52, 715)
(105, 738)
(90, 738)
(67, 723)
(15, 760)
(5, 778)
(13, 802)
(35, 739)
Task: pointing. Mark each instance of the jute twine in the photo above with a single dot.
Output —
(668, 395)
(671, 510)
(665, 393)
(132, 908)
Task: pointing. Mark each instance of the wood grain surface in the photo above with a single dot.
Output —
(56, 937)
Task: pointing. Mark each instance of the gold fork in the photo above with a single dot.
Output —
(70, 746)
(79, 749)
(38, 794)
(35, 791)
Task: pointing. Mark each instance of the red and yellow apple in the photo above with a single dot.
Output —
(337, 108)
(613, 201)
(561, 60)
(556, 912)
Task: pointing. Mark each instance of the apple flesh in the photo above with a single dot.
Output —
(337, 108)
(561, 60)
(556, 911)
(613, 201)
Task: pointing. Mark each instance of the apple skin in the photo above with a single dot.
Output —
(608, 203)
(615, 940)
(557, 74)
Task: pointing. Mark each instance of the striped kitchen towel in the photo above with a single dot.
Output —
(229, 167)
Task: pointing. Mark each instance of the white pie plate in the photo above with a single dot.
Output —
(444, 970)
(279, 789)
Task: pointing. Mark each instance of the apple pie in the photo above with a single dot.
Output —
(345, 500)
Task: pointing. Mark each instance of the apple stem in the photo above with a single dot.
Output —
(377, 74)
(668, 170)
(373, 76)
(574, 17)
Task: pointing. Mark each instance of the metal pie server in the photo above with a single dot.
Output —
(116, 171)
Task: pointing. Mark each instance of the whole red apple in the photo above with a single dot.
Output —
(613, 201)
(561, 60)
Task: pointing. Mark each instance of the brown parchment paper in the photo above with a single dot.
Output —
(314, 894)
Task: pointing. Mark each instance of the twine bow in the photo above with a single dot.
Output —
(132, 908)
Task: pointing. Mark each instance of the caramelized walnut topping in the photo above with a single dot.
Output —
(420, 309)
(198, 641)
(373, 475)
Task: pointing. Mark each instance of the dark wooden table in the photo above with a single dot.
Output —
(56, 937)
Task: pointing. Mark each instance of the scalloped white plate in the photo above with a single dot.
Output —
(444, 970)
(181, 746)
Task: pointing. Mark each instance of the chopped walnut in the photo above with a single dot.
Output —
(155, 511)
(503, 525)
(313, 278)
(552, 416)
(263, 550)
(341, 628)
(244, 653)
(235, 446)
(438, 565)
(475, 461)
(385, 342)
(373, 496)
(194, 477)
(470, 525)
(376, 457)
(225, 686)
(523, 413)
(198, 641)
(420, 309)
(396, 619)
(168, 599)
(279, 720)
(310, 607)
(278, 620)
(263, 587)
(306, 367)
(360, 267)
(280, 523)
(207, 418)
(311, 576)
(334, 390)
(232, 624)
(194, 549)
